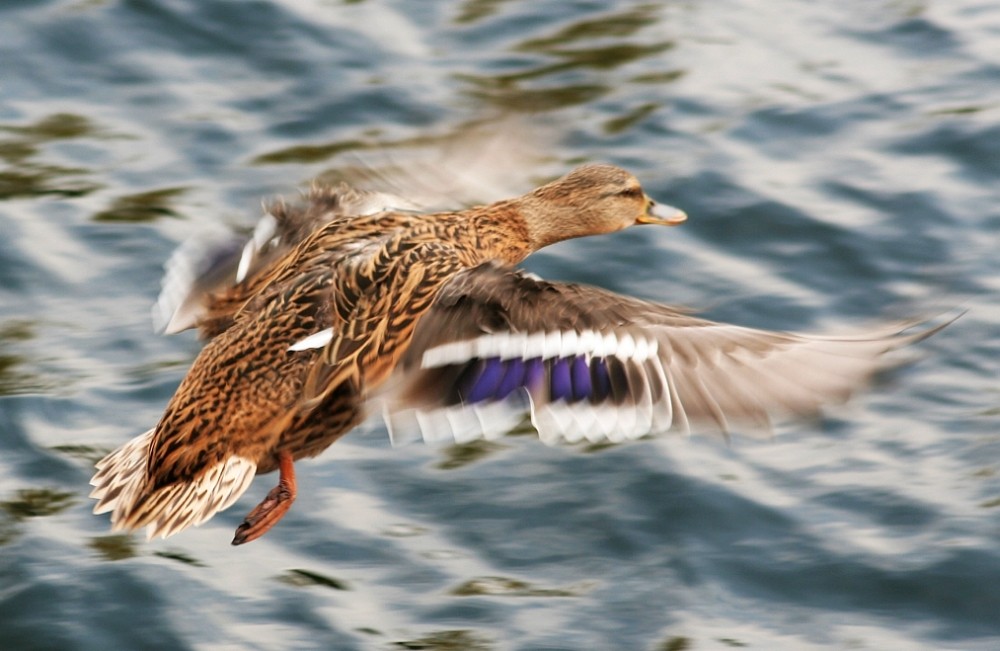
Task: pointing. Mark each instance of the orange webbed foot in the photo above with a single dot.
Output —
(266, 514)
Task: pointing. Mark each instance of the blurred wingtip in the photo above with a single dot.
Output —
(478, 161)
(919, 329)
(197, 266)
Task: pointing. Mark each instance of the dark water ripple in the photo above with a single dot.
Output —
(839, 165)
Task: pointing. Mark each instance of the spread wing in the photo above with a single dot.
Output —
(583, 363)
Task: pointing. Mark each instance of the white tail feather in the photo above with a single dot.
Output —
(120, 482)
(120, 476)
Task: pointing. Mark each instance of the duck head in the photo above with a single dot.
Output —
(591, 200)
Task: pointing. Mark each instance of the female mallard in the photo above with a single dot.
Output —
(351, 305)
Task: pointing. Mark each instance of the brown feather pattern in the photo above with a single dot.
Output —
(388, 289)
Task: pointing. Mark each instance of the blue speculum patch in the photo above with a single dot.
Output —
(571, 379)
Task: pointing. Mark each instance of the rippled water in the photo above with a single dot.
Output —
(839, 162)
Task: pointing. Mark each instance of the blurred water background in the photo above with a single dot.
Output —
(840, 163)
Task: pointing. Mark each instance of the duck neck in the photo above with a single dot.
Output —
(502, 232)
(547, 222)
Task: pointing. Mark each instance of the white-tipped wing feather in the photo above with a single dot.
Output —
(586, 364)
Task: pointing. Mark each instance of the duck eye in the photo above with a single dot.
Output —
(632, 192)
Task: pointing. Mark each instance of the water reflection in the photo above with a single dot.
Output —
(507, 95)
(116, 547)
(37, 502)
(14, 379)
(31, 503)
(25, 176)
(598, 58)
(625, 122)
(499, 586)
(141, 206)
(609, 45)
(460, 456)
(675, 644)
(180, 557)
(311, 153)
(302, 578)
(89, 454)
(618, 24)
(457, 640)
(473, 11)
(370, 141)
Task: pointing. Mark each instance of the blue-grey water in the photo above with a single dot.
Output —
(840, 163)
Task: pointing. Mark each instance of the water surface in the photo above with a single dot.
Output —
(839, 163)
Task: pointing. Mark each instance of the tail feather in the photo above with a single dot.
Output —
(120, 486)
(120, 476)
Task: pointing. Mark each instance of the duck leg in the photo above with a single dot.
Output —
(266, 514)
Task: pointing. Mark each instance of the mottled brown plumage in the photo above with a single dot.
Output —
(365, 274)
(353, 304)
